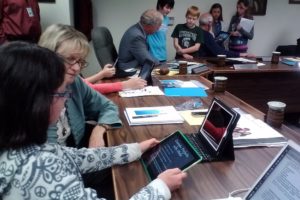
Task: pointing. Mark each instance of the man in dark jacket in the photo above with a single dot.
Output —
(210, 48)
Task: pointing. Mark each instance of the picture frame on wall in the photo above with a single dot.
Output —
(294, 1)
(258, 7)
(46, 1)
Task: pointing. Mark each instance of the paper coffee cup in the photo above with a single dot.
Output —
(275, 115)
(276, 105)
(183, 67)
(220, 83)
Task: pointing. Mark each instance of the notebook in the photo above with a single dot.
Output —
(175, 151)
(213, 141)
(281, 178)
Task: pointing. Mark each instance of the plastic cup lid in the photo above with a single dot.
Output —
(276, 105)
(276, 52)
(220, 78)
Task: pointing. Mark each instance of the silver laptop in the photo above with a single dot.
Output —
(281, 179)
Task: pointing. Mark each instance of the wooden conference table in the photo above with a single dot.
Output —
(266, 83)
(204, 181)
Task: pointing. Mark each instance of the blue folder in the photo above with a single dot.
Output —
(185, 92)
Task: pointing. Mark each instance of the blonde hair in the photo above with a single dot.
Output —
(193, 11)
(64, 37)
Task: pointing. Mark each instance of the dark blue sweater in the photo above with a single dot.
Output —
(209, 48)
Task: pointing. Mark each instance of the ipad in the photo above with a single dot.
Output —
(146, 69)
(219, 121)
(175, 151)
(222, 36)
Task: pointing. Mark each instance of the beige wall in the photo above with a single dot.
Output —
(278, 26)
(59, 12)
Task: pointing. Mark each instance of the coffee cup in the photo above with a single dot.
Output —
(275, 57)
(221, 60)
(275, 115)
(220, 83)
(183, 67)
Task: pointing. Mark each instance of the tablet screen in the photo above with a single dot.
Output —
(172, 152)
(222, 36)
(218, 121)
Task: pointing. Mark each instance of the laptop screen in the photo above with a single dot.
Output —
(216, 123)
(281, 179)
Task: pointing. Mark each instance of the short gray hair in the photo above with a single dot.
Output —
(205, 18)
(151, 17)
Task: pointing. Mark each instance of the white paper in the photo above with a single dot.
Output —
(247, 24)
(147, 91)
(152, 115)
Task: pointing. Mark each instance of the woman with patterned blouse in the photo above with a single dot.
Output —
(32, 95)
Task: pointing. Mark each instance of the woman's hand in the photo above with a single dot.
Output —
(235, 33)
(172, 178)
(145, 145)
(134, 83)
(96, 138)
(108, 71)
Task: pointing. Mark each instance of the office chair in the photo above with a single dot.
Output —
(104, 46)
(289, 50)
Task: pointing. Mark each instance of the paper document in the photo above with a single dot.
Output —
(152, 115)
(250, 131)
(243, 60)
(147, 91)
(247, 24)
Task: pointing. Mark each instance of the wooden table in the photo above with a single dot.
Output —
(205, 181)
(267, 83)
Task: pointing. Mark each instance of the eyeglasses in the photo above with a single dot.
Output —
(66, 94)
(71, 61)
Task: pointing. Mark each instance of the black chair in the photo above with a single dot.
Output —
(105, 49)
(289, 50)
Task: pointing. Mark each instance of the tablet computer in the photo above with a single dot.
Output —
(175, 151)
(222, 36)
(146, 69)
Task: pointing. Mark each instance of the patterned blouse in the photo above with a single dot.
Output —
(52, 171)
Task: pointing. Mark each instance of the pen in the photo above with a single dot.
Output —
(143, 116)
(114, 65)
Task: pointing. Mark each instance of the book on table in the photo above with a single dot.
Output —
(183, 88)
(250, 132)
(152, 115)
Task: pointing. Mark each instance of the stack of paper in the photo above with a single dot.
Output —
(254, 132)
(147, 91)
(152, 115)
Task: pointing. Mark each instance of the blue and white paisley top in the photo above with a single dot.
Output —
(52, 171)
